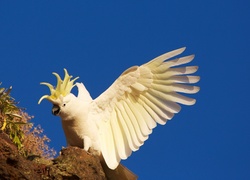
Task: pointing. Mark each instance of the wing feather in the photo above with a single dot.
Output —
(125, 128)
(139, 118)
(176, 88)
(151, 123)
(176, 62)
(109, 149)
(119, 137)
(159, 107)
(140, 135)
(175, 97)
(154, 116)
(138, 87)
(173, 107)
(177, 79)
(158, 60)
(127, 120)
(148, 124)
(161, 118)
(139, 99)
(176, 71)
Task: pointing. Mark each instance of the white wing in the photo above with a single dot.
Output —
(139, 99)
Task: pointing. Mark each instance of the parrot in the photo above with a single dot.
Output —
(120, 120)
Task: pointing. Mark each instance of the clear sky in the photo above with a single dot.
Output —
(98, 40)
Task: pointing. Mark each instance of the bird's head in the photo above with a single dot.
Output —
(60, 96)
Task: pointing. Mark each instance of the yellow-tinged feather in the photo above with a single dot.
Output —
(107, 145)
(142, 124)
(179, 61)
(175, 62)
(177, 79)
(162, 120)
(145, 82)
(171, 106)
(140, 135)
(126, 130)
(176, 71)
(119, 138)
(63, 88)
(163, 110)
(154, 116)
(158, 60)
(145, 116)
(138, 87)
(176, 88)
(175, 97)
(130, 126)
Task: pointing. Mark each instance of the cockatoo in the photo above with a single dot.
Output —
(121, 119)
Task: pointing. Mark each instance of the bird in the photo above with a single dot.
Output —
(120, 119)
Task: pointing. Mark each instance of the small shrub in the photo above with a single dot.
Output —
(15, 122)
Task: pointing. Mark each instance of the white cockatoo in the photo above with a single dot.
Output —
(119, 121)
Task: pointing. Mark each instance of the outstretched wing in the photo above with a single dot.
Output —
(139, 99)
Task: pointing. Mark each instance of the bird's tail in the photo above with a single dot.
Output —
(121, 173)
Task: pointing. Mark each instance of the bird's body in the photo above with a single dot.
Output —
(121, 118)
(79, 128)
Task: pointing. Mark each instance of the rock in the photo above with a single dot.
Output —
(72, 163)
(75, 163)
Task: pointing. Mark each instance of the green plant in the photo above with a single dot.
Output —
(14, 122)
(10, 118)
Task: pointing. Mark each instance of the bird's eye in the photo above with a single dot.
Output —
(64, 105)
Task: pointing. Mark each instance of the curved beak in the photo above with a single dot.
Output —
(55, 110)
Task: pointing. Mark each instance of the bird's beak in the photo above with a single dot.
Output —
(55, 110)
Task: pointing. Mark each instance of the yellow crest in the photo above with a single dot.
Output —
(63, 88)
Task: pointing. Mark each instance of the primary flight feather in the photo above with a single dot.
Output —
(121, 118)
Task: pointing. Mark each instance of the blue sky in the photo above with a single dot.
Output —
(98, 40)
